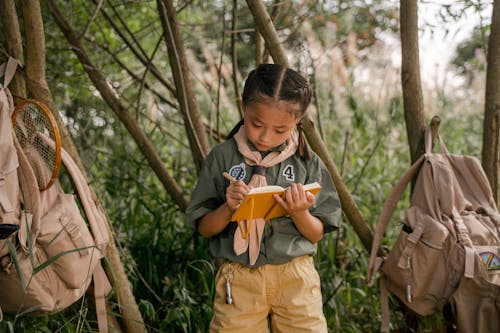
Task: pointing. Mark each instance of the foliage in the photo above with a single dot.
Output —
(362, 123)
(469, 56)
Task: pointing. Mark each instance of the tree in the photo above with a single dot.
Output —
(266, 28)
(410, 78)
(170, 73)
(491, 122)
(34, 75)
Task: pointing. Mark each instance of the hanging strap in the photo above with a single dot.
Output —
(100, 232)
(393, 199)
(386, 214)
(101, 288)
(29, 188)
(94, 216)
(464, 240)
(8, 70)
(384, 306)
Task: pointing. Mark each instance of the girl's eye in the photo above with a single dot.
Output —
(280, 132)
(256, 125)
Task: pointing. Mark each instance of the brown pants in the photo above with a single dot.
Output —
(289, 294)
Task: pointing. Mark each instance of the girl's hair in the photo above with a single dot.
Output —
(272, 83)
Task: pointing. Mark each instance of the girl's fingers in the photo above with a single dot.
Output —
(296, 192)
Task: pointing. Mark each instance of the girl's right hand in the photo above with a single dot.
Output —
(235, 193)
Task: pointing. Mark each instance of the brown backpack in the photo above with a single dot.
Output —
(50, 256)
(449, 245)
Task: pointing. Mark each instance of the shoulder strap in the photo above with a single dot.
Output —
(100, 232)
(29, 188)
(94, 215)
(7, 70)
(387, 211)
(393, 199)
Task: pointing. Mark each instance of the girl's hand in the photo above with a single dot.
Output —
(297, 200)
(297, 203)
(235, 193)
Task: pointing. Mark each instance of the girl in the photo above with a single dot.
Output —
(271, 273)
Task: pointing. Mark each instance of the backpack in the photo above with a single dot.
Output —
(51, 256)
(448, 248)
(9, 182)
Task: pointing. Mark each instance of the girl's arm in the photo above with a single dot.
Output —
(297, 203)
(214, 222)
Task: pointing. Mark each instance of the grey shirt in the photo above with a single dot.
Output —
(281, 241)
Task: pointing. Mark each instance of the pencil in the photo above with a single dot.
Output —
(229, 177)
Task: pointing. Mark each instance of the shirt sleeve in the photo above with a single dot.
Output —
(209, 192)
(326, 205)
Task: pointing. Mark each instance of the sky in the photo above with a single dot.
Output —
(437, 45)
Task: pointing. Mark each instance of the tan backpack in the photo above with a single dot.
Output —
(449, 247)
(51, 256)
(9, 182)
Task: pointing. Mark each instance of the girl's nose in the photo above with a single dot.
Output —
(263, 135)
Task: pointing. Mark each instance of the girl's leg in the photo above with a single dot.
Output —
(249, 310)
(298, 305)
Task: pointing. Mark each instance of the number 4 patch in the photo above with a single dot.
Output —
(288, 173)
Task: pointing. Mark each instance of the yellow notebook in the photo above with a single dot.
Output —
(260, 203)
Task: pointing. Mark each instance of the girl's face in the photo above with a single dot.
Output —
(268, 125)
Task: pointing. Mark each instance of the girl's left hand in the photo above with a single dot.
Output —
(297, 200)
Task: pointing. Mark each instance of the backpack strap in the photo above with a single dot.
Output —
(393, 199)
(386, 214)
(464, 239)
(383, 221)
(101, 288)
(8, 70)
(94, 216)
(96, 220)
(29, 188)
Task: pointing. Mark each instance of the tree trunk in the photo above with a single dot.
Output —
(491, 122)
(14, 43)
(410, 78)
(234, 59)
(413, 106)
(195, 129)
(35, 71)
(131, 316)
(113, 100)
(266, 27)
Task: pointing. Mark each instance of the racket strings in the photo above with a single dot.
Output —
(32, 123)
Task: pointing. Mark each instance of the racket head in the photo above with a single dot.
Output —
(33, 120)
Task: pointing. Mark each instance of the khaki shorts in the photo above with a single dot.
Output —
(289, 294)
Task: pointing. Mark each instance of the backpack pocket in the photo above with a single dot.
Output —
(417, 269)
(67, 242)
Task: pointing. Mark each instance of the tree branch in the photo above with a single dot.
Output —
(349, 207)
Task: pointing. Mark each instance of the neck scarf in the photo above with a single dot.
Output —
(255, 159)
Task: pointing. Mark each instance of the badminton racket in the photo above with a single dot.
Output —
(33, 119)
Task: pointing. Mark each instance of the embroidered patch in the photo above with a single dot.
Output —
(491, 260)
(288, 173)
(238, 171)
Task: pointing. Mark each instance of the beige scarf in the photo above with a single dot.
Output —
(254, 158)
